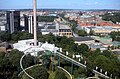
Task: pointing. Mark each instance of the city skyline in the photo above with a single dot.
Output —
(59, 4)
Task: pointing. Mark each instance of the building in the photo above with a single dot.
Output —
(65, 30)
(101, 29)
(105, 41)
(95, 46)
(90, 42)
(2, 21)
(47, 31)
(30, 24)
(2, 27)
(13, 21)
(24, 22)
(27, 46)
(48, 27)
(83, 40)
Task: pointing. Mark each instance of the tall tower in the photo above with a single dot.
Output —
(30, 24)
(35, 31)
(13, 21)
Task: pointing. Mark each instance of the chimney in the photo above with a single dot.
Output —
(35, 31)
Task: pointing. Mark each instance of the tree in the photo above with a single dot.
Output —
(6, 67)
(114, 17)
(91, 32)
(38, 72)
(4, 36)
(14, 57)
(82, 33)
(25, 35)
(15, 37)
(60, 75)
(115, 36)
(40, 37)
(103, 62)
(82, 48)
(107, 53)
(50, 38)
(80, 72)
(28, 60)
(89, 72)
(73, 25)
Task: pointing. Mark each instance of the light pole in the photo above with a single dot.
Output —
(35, 22)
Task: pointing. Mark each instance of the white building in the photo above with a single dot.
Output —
(101, 29)
(47, 31)
(27, 46)
(2, 28)
(30, 24)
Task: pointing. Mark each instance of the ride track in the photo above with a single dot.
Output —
(62, 56)
(24, 70)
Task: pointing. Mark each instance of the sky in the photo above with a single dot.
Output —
(61, 4)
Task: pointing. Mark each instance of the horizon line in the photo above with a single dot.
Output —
(57, 8)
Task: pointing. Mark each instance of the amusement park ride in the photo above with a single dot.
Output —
(32, 46)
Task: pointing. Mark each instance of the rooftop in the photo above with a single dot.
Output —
(49, 30)
(64, 26)
(27, 46)
(101, 27)
(80, 38)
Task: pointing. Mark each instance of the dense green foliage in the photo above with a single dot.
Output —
(115, 36)
(114, 17)
(82, 33)
(8, 65)
(20, 36)
(4, 36)
(73, 25)
(46, 18)
(59, 74)
(105, 60)
(38, 72)
(80, 72)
